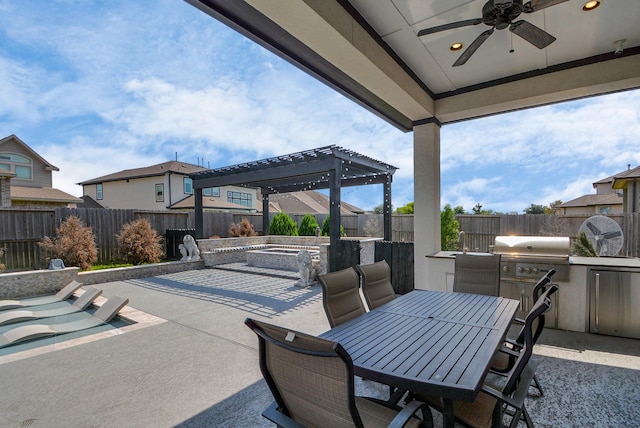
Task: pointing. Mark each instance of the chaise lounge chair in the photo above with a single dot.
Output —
(80, 304)
(61, 295)
(35, 331)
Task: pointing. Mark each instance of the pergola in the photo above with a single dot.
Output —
(329, 167)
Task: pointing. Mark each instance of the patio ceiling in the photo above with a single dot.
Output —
(370, 51)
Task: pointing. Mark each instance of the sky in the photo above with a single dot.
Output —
(96, 87)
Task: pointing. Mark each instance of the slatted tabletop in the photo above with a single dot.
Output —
(437, 343)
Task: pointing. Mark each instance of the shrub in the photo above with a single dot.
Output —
(73, 243)
(2, 266)
(283, 224)
(582, 247)
(308, 225)
(244, 228)
(139, 243)
(326, 227)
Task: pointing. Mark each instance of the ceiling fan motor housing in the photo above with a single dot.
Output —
(500, 13)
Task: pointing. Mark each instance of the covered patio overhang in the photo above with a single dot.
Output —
(371, 53)
(329, 167)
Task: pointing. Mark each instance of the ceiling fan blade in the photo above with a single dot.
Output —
(472, 48)
(444, 27)
(535, 5)
(532, 34)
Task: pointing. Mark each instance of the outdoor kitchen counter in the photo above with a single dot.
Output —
(605, 261)
(573, 296)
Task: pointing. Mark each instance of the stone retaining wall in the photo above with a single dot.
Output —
(17, 285)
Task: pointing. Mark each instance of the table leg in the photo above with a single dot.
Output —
(448, 421)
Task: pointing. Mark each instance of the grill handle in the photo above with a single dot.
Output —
(597, 302)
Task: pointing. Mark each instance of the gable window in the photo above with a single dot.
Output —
(20, 165)
(99, 191)
(188, 186)
(159, 192)
(605, 210)
(239, 198)
(211, 191)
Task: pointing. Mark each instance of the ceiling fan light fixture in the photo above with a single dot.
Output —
(590, 5)
(456, 46)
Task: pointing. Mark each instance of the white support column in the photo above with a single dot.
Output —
(426, 183)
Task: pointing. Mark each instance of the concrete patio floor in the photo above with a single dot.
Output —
(197, 365)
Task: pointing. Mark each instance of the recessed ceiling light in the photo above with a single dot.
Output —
(456, 46)
(590, 5)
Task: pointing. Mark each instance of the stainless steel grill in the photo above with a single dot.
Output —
(529, 257)
(524, 259)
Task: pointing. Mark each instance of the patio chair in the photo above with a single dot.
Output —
(103, 315)
(341, 296)
(477, 274)
(491, 404)
(503, 361)
(376, 283)
(80, 304)
(312, 382)
(61, 295)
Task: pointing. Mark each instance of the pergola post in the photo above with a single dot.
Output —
(265, 212)
(334, 213)
(386, 208)
(199, 217)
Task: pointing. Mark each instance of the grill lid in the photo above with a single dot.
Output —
(539, 246)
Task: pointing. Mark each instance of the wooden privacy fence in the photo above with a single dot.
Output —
(21, 229)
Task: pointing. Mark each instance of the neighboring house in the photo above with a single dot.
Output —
(307, 202)
(607, 200)
(25, 178)
(629, 182)
(165, 186)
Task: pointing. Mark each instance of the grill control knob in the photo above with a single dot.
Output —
(521, 269)
(505, 268)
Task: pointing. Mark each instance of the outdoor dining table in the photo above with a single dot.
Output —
(429, 342)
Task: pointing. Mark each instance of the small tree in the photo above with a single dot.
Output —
(283, 224)
(582, 247)
(73, 243)
(308, 225)
(448, 229)
(326, 226)
(406, 209)
(139, 243)
(244, 228)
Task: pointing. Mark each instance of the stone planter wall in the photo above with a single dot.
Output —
(18, 285)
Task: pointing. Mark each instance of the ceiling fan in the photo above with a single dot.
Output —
(500, 14)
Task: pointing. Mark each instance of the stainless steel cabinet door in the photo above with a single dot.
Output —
(615, 303)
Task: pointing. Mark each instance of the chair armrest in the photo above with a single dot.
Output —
(509, 351)
(518, 320)
(409, 410)
(519, 395)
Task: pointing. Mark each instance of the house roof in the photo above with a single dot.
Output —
(29, 150)
(211, 203)
(620, 180)
(304, 202)
(89, 202)
(593, 200)
(148, 171)
(42, 194)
